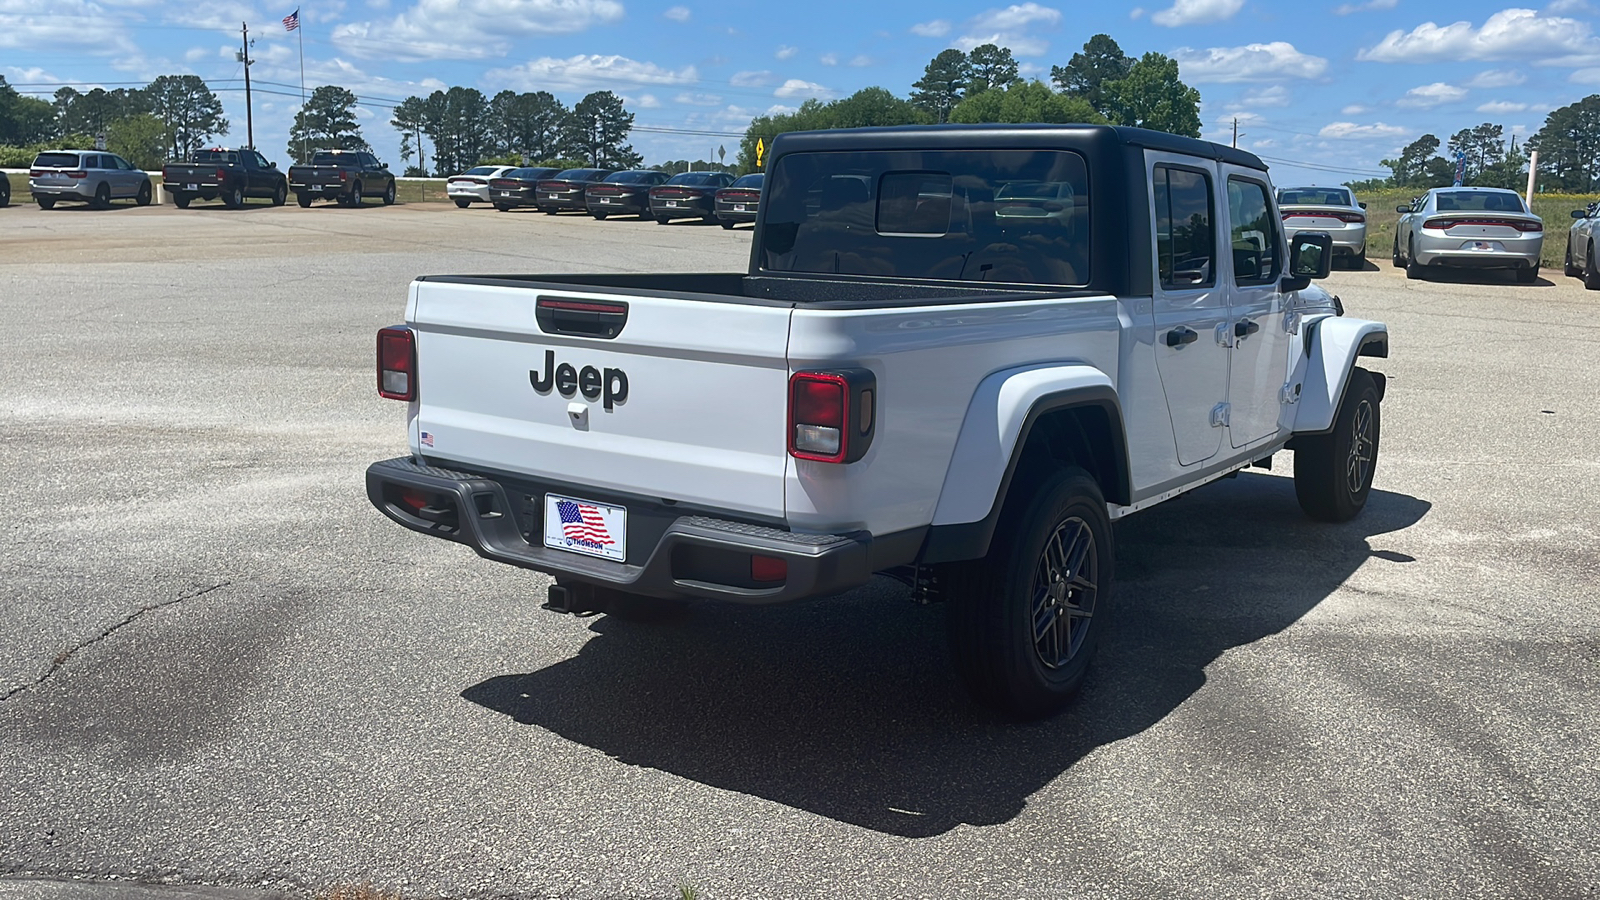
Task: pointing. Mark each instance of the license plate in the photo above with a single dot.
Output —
(738, 207)
(607, 200)
(672, 203)
(552, 196)
(316, 187)
(191, 187)
(593, 529)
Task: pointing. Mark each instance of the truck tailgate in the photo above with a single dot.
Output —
(697, 416)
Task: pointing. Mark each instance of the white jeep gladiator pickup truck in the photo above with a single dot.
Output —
(959, 354)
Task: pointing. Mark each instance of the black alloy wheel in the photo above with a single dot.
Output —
(389, 195)
(282, 195)
(102, 197)
(1333, 471)
(234, 198)
(145, 193)
(5, 191)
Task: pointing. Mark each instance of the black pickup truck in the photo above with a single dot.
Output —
(233, 175)
(348, 176)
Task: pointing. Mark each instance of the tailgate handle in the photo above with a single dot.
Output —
(581, 317)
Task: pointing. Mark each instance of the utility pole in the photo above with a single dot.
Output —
(1236, 132)
(244, 57)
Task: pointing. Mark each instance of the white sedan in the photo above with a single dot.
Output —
(1330, 209)
(473, 184)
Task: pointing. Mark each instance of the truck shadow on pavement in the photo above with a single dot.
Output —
(847, 707)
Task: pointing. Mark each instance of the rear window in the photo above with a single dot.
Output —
(332, 159)
(1010, 216)
(482, 170)
(694, 178)
(1479, 201)
(56, 161)
(753, 180)
(1315, 197)
(581, 174)
(216, 156)
(631, 177)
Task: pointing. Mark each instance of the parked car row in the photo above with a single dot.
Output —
(1581, 256)
(602, 193)
(1470, 228)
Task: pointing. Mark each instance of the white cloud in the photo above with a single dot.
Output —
(1355, 109)
(78, 25)
(195, 54)
(584, 73)
(796, 88)
(1015, 27)
(829, 59)
(1369, 6)
(696, 98)
(1195, 12)
(785, 51)
(936, 29)
(1502, 107)
(1497, 78)
(861, 60)
(1511, 34)
(1136, 13)
(1585, 76)
(1273, 96)
(1569, 6)
(678, 14)
(648, 101)
(1431, 95)
(1352, 130)
(1252, 62)
(758, 78)
(30, 75)
(470, 29)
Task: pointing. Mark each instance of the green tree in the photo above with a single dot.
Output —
(872, 106)
(191, 112)
(1480, 147)
(1087, 73)
(1025, 101)
(992, 67)
(811, 116)
(328, 122)
(457, 122)
(1569, 146)
(95, 111)
(409, 118)
(1409, 169)
(943, 84)
(597, 131)
(140, 139)
(527, 124)
(23, 119)
(1152, 96)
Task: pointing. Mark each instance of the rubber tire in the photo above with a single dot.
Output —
(1528, 275)
(146, 192)
(1394, 257)
(1567, 268)
(661, 221)
(1320, 482)
(5, 192)
(389, 195)
(727, 226)
(1413, 268)
(463, 204)
(1591, 273)
(1359, 261)
(102, 197)
(551, 212)
(304, 200)
(989, 613)
(600, 216)
(282, 196)
(45, 202)
(502, 207)
(181, 201)
(234, 199)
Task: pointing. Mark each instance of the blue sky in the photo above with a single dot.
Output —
(1325, 90)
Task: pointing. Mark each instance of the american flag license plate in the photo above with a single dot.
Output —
(595, 529)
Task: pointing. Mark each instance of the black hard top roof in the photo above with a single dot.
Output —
(1006, 137)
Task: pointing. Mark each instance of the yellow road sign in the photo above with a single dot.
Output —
(761, 150)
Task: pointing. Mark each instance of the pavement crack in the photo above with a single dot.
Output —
(62, 658)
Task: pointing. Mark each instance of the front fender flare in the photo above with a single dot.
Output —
(1332, 345)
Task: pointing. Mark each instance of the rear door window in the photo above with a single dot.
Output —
(56, 161)
(941, 215)
(1185, 240)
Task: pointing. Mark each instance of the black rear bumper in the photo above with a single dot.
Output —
(694, 556)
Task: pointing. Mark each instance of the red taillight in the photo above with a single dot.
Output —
(397, 364)
(344, 174)
(1351, 217)
(77, 174)
(768, 568)
(1528, 226)
(1518, 224)
(35, 173)
(222, 174)
(831, 415)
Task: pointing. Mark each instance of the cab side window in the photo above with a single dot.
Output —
(1254, 235)
(1185, 241)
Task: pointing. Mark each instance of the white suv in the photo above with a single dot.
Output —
(91, 176)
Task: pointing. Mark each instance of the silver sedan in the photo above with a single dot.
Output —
(1330, 209)
(1469, 227)
(1581, 255)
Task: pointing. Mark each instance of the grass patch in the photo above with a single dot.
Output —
(421, 190)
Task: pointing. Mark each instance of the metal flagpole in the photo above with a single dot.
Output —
(303, 118)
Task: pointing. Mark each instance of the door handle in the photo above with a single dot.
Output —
(1244, 328)
(1179, 336)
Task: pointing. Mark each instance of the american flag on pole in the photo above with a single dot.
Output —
(582, 522)
(291, 21)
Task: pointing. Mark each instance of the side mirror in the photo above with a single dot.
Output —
(1310, 256)
(1362, 205)
(1580, 214)
(1402, 209)
(272, 165)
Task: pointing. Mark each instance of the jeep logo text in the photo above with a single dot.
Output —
(612, 384)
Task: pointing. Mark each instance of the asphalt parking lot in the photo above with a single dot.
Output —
(220, 666)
